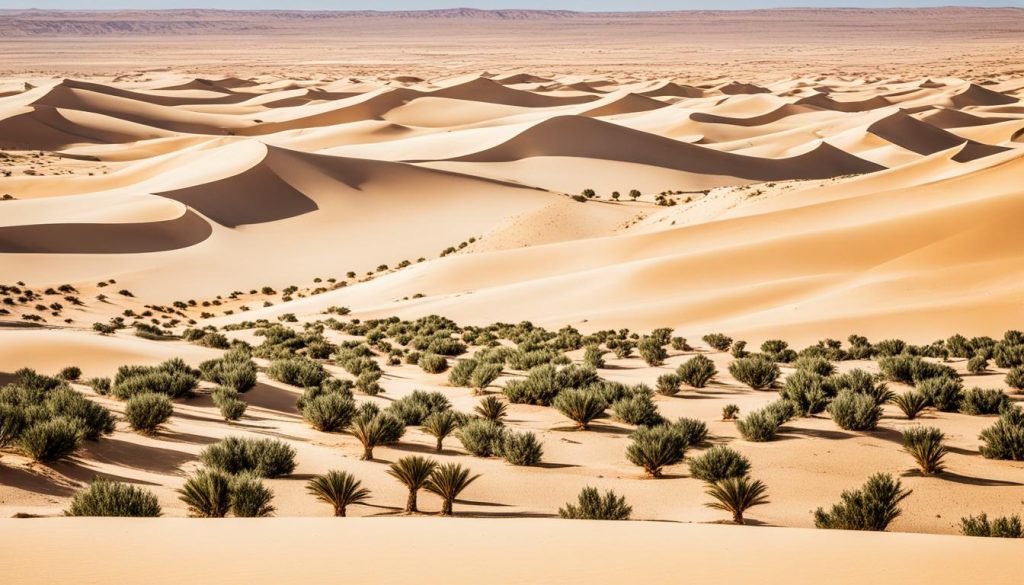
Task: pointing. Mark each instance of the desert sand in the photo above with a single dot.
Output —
(864, 183)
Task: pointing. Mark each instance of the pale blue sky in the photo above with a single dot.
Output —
(590, 5)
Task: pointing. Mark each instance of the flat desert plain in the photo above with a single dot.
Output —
(426, 212)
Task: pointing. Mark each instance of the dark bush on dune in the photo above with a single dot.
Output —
(298, 371)
(481, 438)
(264, 457)
(1005, 438)
(329, 413)
(855, 412)
(173, 378)
(718, 341)
(980, 525)
(697, 371)
(235, 370)
(581, 406)
(654, 448)
(718, 463)
(147, 411)
(756, 372)
(978, 401)
(591, 505)
(114, 499)
(51, 440)
(520, 448)
(872, 507)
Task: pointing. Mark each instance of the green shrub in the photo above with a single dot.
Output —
(264, 457)
(756, 372)
(911, 403)
(912, 369)
(759, 426)
(491, 408)
(51, 440)
(718, 341)
(593, 357)
(297, 371)
(808, 391)
(100, 386)
(250, 498)
(145, 412)
(12, 422)
(862, 382)
(925, 445)
(94, 418)
(736, 495)
(652, 351)
(580, 406)
(520, 448)
(978, 401)
(1015, 378)
(1004, 527)
(484, 375)
(654, 448)
(173, 378)
(697, 371)
(232, 408)
(432, 363)
(781, 410)
(890, 347)
(668, 384)
(1005, 438)
(339, 489)
(718, 463)
(816, 365)
(943, 393)
(235, 370)
(638, 409)
(872, 507)
(373, 429)
(114, 499)
(543, 383)
(70, 373)
(977, 365)
(855, 412)
(777, 350)
(207, 494)
(481, 437)
(329, 413)
(591, 505)
(462, 372)
(693, 431)
(730, 412)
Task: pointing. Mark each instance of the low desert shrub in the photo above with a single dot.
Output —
(520, 448)
(593, 357)
(978, 401)
(977, 365)
(654, 448)
(147, 411)
(943, 393)
(638, 409)
(1015, 378)
(730, 412)
(95, 419)
(235, 370)
(980, 525)
(232, 408)
(697, 371)
(718, 341)
(693, 431)
(872, 507)
(756, 372)
(652, 351)
(207, 494)
(668, 384)
(51, 440)
(173, 378)
(808, 391)
(816, 365)
(759, 426)
(114, 499)
(250, 498)
(862, 382)
(925, 445)
(855, 412)
(432, 363)
(718, 463)
(481, 437)
(581, 406)
(297, 371)
(264, 457)
(1005, 438)
(70, 373)
(329, 413)
(591, 505)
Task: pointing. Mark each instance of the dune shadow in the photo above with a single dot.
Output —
(505, 514)
(600, 429)
(135, 456)
(416, 448)
(189, 438)
(545, 465)
(817, 433)
(962, 479)
(272, 398)
(27, 480)
(479, 503)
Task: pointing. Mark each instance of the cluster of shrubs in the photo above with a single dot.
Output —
(483, 437)
(173, 378)
(46, 419)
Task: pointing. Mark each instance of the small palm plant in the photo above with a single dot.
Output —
(492, 408)
(441, 424)
(448, 481)
(911, 403)
(925, 444)
(207, 494)
(340, 489)
(580, 406)
(736, 495)
(413, 472)
(378, 429)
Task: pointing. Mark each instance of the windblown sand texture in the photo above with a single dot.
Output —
(839, 187)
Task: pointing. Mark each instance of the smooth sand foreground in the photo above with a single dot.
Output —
(454, 551)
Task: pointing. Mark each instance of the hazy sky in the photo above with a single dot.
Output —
(540, 4)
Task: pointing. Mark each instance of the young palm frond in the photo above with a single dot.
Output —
(911, 403)
(340, 489)
(491, 408)
(441, 424)
(736, 495)
(207, 494)
(448, 481)
(413, 472)
(925, 444)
